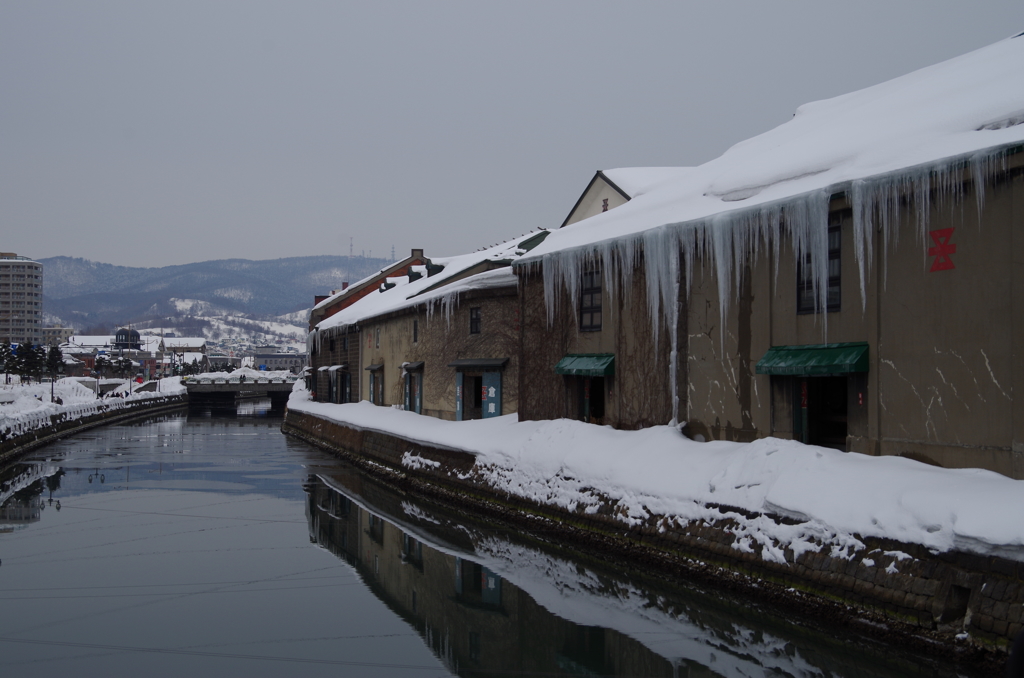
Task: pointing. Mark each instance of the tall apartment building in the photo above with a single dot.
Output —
(21, 299)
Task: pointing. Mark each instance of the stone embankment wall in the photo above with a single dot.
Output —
(959, 598)
(63, 425)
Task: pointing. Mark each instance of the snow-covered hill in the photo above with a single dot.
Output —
(82, 293)
(227, 331)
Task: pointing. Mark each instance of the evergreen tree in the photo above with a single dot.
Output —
(18, 360)
(6, 360)
(37, 366)
(118, 366)
(54, 360)
(103, 365)
(25, 362)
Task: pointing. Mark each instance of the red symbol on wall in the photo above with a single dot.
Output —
(942, 250)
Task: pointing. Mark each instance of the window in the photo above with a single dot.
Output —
(377, 338)
(590, 302)
(415, 331)
(805, 297)
(474, 320)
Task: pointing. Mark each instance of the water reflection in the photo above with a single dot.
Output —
(22, 487)
(487, 602)
(251, 407)
(182, 546)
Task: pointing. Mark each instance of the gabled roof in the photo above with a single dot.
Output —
(628, 182)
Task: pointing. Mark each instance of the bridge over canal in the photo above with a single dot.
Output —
(225, 393)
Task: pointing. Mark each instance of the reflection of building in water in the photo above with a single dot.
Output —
(450, 581)
(17, 513)
(21, 493)
(470, 617)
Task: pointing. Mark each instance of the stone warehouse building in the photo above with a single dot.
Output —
(21, 299)
(851, 279)
(458, 363)
(340, 350)
(441, 339)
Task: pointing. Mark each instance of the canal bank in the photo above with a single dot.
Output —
(964, 602)
(22, 431)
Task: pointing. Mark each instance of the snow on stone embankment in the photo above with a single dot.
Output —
(830, 500)
(31, 408)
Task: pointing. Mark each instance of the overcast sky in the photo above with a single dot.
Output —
(149, 134)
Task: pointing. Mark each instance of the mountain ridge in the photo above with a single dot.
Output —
(81, 292)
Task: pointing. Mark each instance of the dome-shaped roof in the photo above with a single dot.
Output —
(127, 338)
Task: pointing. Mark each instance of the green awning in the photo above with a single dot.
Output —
(815, 360)
(587, 365)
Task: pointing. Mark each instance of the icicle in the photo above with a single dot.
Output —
(730, 241)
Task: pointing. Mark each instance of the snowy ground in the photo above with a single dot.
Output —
(836, 499)
(27, 407)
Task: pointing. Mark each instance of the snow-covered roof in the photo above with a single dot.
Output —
(149, 343)
(89, 342)
(406, 294)
(635, 181)
(953, 109)
(184, 342)
(351, 289)
(187, 358)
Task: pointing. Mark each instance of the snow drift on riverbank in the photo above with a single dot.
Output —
(31, 408)
(835, 498)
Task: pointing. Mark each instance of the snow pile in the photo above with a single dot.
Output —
(247, 372)
(31, 408)
(830, 500)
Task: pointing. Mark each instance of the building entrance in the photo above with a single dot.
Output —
(821, 410)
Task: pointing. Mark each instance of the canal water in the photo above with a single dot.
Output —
(206, 545)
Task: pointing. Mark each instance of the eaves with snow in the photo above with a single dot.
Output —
(916, 133)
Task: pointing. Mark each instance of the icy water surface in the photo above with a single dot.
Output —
(207, 546)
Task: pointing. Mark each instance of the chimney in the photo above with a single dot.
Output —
(318, 298)
(344, 286)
